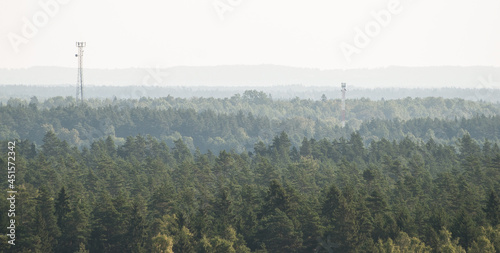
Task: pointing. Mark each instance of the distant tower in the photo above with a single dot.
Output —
(79, 83)
(343, 104)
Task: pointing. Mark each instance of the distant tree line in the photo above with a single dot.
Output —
(486, 93)
(238, 122)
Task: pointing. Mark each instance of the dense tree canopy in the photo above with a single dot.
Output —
(242, 121)
(184, 180)
(337, 195)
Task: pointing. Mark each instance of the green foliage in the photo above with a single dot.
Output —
(278, 233)
(162, 244)
(305, 186)
(46, 221)
(447, 245)
(403, 243)
(492, 209)
(240, 122)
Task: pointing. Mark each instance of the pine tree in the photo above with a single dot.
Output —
(162, 199)
(278, 233)
(265, 172)
(341, 216)
(136, 230)
(181, 151)
(446, 244)
(468, 147)
(376, 202)
(62, 206)
(482, 245)
(281, 148)
(47, 227)
(365, 224)
(492, 209)
(260, 148)
(106, 220)
(332, 201)
(51, 145)
(276, 198)
(76, 230)
(224, 165)
(305, 148)
(62, 211)
(110, 146)
(223, 212)
(162, 244)
(311, 226)
(464, 228)
(184, 241)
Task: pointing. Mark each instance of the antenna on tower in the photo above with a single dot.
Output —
(79, 83)
(343, 103)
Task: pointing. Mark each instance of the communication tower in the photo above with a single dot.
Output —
(79, 83)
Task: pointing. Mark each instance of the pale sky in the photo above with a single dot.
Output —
(154, 33)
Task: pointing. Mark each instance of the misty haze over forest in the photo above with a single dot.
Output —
(262, 76)
(473, 83)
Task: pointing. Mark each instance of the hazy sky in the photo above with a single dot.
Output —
(325, 34)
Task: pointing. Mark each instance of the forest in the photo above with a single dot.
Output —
(481, 92)
(252, 174)
(237, 123)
